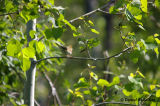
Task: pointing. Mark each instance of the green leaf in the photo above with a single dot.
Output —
(26, 64)
(156, 51)
(32, 33)
(82, 83)
(70, 25)
(144, 5)
(89, 103)
(40, 47)
(115, 81)
(152, 87)
(29, 12)
(102, 82)
(157, 3)
(51, 1)
(90, 22)
(54, 32)
(158, 93)
(140, 73)
(93, 42)
(9, 5)
(126, 93)
(93, 75)
(134, 56)
(94, 31)
(153, 104)
(13, 47)
(28, 52)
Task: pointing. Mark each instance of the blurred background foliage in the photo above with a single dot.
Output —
(64, 73)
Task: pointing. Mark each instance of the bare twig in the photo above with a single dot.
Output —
(99, 104)
(92, 12)
(9, 13)
(54, 92)
(36, 102)
(85, 58)
(105, 12)
(40, 38)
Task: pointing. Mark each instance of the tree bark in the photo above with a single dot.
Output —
(30, 74)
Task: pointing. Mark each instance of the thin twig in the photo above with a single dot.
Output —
(105, 12)
(86, 58)
(92, 12)
(9, 13)
(40, 38)
(36, 102)
(54, 92)
(113, 103)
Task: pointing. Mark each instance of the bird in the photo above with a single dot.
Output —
(67, 50)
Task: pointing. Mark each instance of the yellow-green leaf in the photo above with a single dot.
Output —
(156, 51)
(94, 31)
(158, 93)
(152, 87)
(140, 73)
(90, 22)
(157, 3)
(156, 35)
(115, 81)
(93, 75)
(26, 64)
(70, 91)
(132, 75)
(13, 47)
(144, 5)
(89, 102)
(102, 82)
(157, 40)
(40, 47)
(28, 52)
(126, 93)
(146, 93)
(70, 25)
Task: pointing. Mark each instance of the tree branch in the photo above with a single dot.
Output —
(86, 58)
(9, 13)
(92, 12)
(99, 104)
(54, 92)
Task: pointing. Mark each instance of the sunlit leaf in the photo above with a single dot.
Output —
(144, 5)
(146, 93)
(157, 3)
(140, 73)
(26, 64)
(156, 51)
(93, 75)
(40, 47)
(70, 91)
(115, 81)
(70, 25)
(152, 87)
(28, 52)
(132, 75)
(51, 1)
(90, 22)
(102, 82)
(158, 93)
(13, 47)
(94, 31)
(126, 93)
